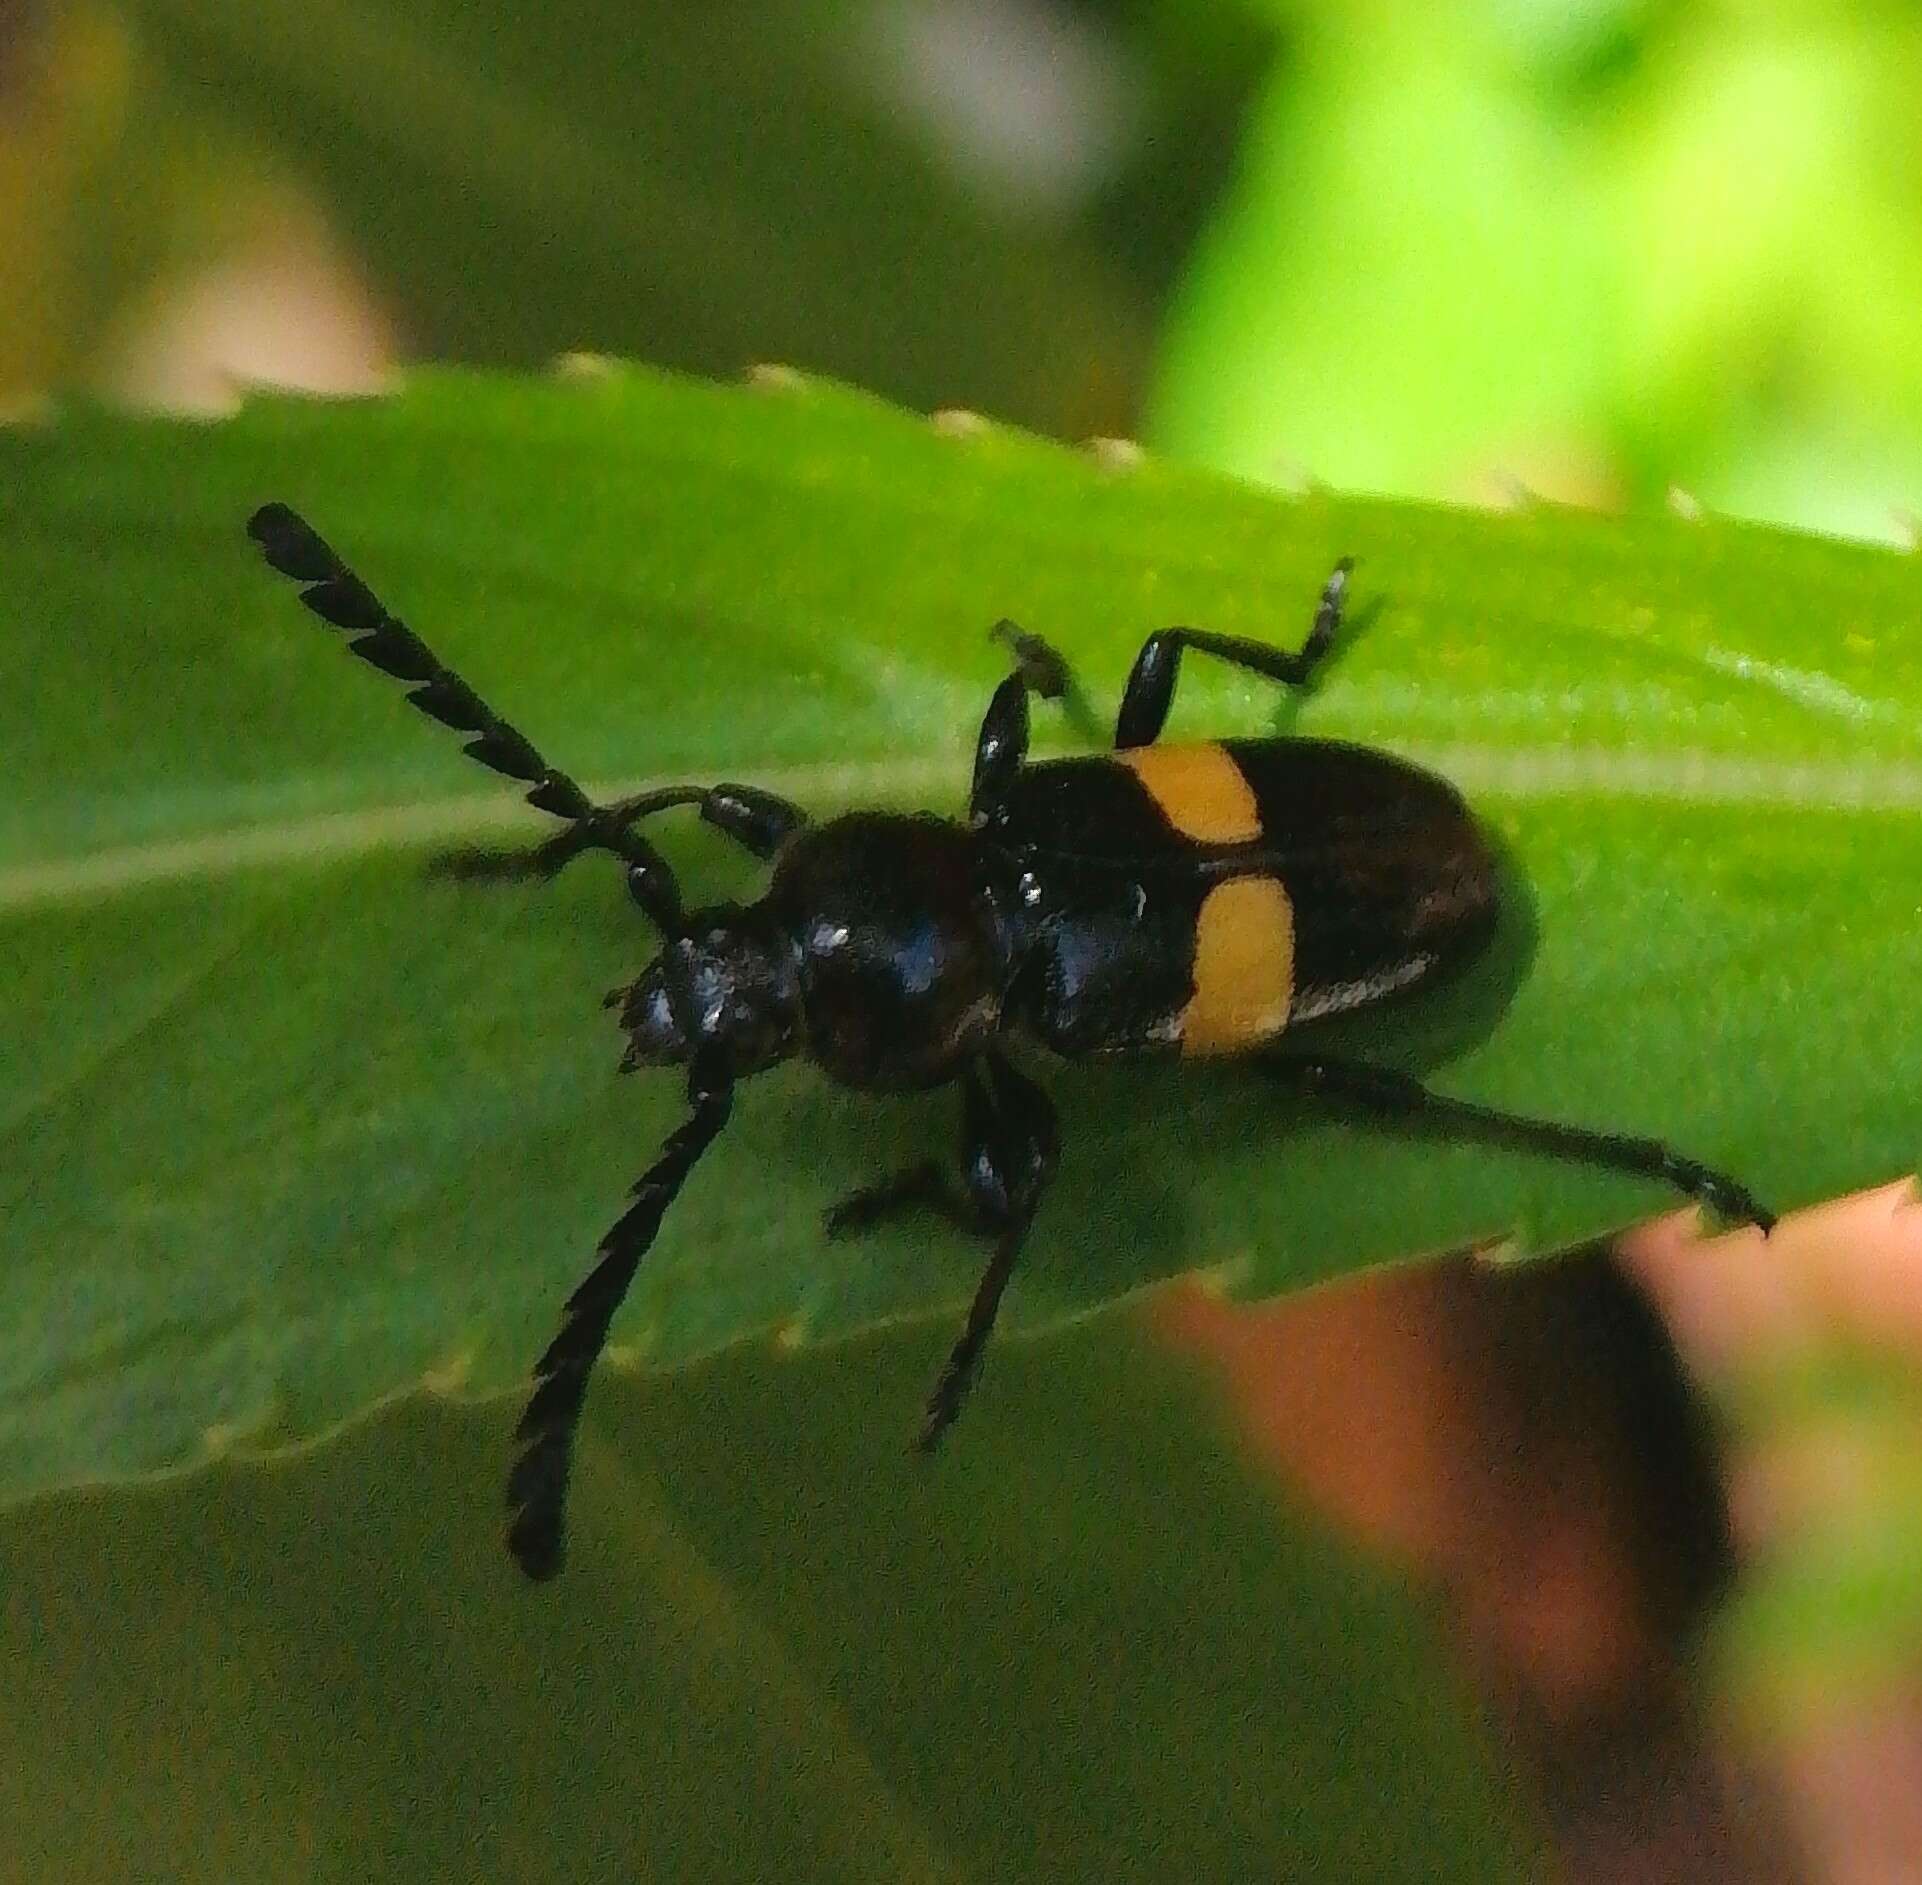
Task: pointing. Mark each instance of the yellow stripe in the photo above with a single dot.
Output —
(1200, 791)
(1244, 967)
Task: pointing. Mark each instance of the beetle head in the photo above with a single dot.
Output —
(728, 981)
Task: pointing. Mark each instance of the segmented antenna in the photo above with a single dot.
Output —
(537, 1485)
(381, 639)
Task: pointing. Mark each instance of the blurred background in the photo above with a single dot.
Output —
(1606, 252)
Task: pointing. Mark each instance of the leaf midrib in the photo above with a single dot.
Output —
(1490, 772)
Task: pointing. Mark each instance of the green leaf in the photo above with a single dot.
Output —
(291, 1125)
(783, 1649)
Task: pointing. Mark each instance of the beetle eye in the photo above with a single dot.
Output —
(654, 1037)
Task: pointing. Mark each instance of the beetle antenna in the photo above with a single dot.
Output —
(537, 1485)
(380, 638)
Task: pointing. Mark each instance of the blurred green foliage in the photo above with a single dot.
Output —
(1603, 249)
(519, 183)
(781, 1650)
(1825, 1624)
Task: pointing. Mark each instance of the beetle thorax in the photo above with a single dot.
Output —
(900, 948)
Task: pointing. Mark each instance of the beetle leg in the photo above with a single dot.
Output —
(1009, 1151)
(1039, 668)
(923, 1187)
(1150, 691)
(1000, 750)
(1008, 1156)
(759, 822)
(1391, 1095)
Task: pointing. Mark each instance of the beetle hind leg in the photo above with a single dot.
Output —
(1395, 1096)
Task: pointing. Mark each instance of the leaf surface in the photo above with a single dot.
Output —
(782, 1649)
(291, 1125)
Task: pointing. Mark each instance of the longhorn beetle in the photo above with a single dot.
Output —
(1193, 900)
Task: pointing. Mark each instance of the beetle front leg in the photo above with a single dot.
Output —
(759, 822)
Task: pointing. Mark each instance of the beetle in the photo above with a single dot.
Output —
(1191, 900)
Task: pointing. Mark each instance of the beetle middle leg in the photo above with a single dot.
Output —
(1008, 1154)
(759, 822)
(923, 1187)
(1389, 1094)
(1002, 745)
